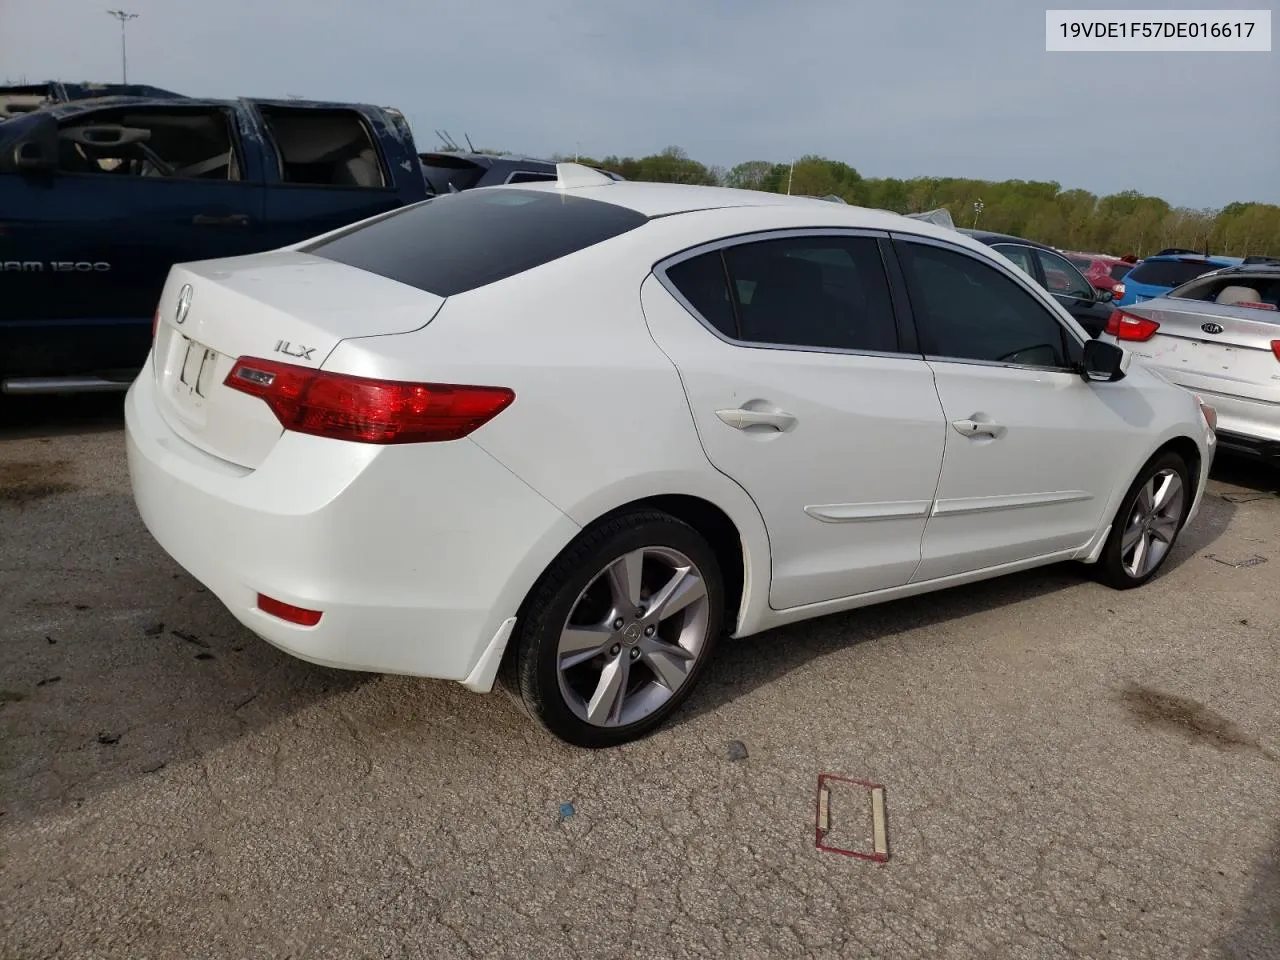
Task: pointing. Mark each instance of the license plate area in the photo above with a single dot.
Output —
(197, 372)
(1210, 358)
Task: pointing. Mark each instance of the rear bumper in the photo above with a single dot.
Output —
(416, 555)
(1249, 446)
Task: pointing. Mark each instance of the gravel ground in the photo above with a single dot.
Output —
(1069, 771)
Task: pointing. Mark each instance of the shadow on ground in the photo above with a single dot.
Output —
(742, 665)
(1257, 935)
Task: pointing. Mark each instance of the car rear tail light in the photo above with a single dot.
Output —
(1275, 348)
(288, 612)
(1255, 304)
(1118, 290)
(1209, 413)
(365, 410)
(1125, 326)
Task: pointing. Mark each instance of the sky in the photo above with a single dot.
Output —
(895, 88)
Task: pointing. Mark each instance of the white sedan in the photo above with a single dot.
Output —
(572, 432)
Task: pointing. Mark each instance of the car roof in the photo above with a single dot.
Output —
(988, 237)
(1193, 258)
(653, 199)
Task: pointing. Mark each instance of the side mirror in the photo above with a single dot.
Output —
(1103, 362)
(31, 156)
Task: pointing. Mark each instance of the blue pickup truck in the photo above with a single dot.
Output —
(99, 197)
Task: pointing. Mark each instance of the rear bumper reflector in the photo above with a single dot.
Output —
(288, 612)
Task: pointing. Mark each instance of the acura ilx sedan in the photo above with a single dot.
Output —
(565, 435)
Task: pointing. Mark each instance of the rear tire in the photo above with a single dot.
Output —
(1147, 525)
(618, 630)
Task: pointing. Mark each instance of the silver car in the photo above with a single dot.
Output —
(1219, 336)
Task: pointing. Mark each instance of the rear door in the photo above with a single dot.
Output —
(330, 166)
(804, 392)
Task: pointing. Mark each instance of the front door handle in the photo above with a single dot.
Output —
(978, 428)
(230, 220)
(741, 418)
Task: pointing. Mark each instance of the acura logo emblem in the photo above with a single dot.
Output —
(1211, 327)
(184, 304)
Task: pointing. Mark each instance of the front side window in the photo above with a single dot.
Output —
(163, 143)
(825, 292)
(1020, 255)
(968, 310)
(1062, 278)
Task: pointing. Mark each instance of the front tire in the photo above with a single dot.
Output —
(1147, 524)
(618, 630)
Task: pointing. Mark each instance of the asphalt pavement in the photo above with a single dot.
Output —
(1069, 771)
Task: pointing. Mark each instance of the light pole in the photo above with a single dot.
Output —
(124, 18)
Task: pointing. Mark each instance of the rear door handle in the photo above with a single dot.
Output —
(978, 428)
(740, 418)
(230, 220)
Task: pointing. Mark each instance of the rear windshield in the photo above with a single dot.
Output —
(457, 242)
(1084, 263)
(1120, 270)
(1169, 273)
(1256, 291)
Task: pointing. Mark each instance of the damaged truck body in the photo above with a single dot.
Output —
(99, 197)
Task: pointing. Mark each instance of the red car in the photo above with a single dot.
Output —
(1104, 272)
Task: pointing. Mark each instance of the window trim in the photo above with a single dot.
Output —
(1039, 294)
(905, 336)
(389, 185)
(229, 116)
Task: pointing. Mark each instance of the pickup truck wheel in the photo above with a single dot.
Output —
(618, 630)
(1147, 524)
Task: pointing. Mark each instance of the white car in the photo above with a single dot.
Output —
(578, 429)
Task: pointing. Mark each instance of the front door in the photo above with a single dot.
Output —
(1031, 448)
(136, 190)
(790, 356)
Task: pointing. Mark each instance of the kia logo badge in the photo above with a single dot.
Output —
(1211, 327)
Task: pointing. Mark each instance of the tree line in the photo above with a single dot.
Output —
(1119, 223)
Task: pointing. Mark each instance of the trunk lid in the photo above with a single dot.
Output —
(282, 305)
(1222, 347)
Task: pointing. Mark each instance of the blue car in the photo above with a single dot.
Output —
(1157, 275)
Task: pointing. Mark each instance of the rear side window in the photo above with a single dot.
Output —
(702, 281)
(1168, 273)
(457, 242)
(1081, 263)
(1121, 270)
(330, 148)
(816, 292)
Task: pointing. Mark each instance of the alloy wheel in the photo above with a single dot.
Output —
(633, 636)
(1152, 524)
